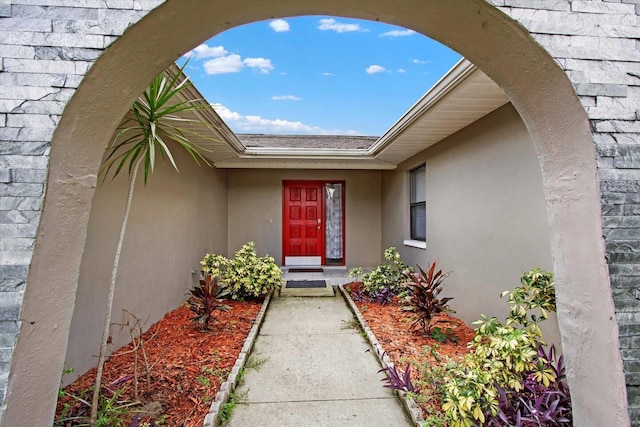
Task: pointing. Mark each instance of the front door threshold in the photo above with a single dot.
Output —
(302, 261)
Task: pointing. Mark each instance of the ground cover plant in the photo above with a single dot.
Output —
(501, 374)
(186, 368)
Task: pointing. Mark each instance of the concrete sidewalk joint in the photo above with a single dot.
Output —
(317, 371)
(212, 419)
(409, 404)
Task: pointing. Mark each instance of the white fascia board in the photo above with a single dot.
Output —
(207, 114)
(324, 164)
(305, 152)
(446, 84)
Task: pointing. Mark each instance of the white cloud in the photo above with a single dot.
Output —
(418, 61)
(226, 114)
(279, 25)
(286, 98)
(402, 70)
(330, 24)
(262, 64)
(328, 74)
(398, 33)
(224, 65)
(374, 69)
(257, 124)
(205, 51)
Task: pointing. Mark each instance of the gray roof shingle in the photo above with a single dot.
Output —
(308, 141)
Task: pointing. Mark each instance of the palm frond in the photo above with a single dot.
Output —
(157, 121)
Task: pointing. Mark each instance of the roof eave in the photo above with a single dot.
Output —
(446, 84)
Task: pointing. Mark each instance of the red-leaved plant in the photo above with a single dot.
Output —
(205, 299)
(423, 300)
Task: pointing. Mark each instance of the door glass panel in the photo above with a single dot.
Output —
(334, 253)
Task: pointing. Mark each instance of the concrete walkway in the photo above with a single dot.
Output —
(314, 371)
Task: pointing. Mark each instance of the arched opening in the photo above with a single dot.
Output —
(536, 86)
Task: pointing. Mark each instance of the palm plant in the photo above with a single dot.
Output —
(157, 121)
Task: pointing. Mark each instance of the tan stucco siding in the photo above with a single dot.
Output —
(255, 210)
(174, 220)
(486, 218)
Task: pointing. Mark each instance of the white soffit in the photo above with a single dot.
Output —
(461, 97)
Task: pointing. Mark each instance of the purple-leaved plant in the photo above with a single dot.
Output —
(383, 296)
(399, 380)
(536, 404)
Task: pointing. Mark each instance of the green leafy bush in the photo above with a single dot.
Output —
(390, 273)
(504, 356)
(246, 275)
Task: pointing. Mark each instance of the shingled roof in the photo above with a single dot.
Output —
(307, 141)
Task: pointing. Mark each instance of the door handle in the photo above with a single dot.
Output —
(319, 220)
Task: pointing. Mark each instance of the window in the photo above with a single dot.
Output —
(418, 208)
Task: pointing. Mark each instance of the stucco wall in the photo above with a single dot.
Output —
(173, 222)
(486, 218)
(255, 211)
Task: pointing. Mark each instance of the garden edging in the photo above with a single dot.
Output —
(409, 404)
(212, 419)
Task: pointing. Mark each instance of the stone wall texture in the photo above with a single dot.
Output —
(47, 46)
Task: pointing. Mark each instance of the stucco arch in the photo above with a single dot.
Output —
(533, 81)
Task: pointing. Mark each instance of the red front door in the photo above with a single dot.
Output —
(303, 219)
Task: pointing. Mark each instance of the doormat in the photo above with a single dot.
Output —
(306, 270)
(305, 284)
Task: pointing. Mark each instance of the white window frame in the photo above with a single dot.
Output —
(417, 199)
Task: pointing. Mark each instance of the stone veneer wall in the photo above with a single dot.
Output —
(46, 47)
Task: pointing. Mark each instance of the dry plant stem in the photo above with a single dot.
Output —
(144, 358)
(136, 345)
(135, 355)
(137, 342)
(95, 401)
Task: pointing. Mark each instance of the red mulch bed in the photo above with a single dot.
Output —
(186, 366)
(390, 325)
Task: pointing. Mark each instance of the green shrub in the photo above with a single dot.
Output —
(503, 355)
(246, 275)
(390, 273)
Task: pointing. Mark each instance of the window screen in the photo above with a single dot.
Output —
(418, 208)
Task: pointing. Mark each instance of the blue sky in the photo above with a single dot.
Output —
(316, 75)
